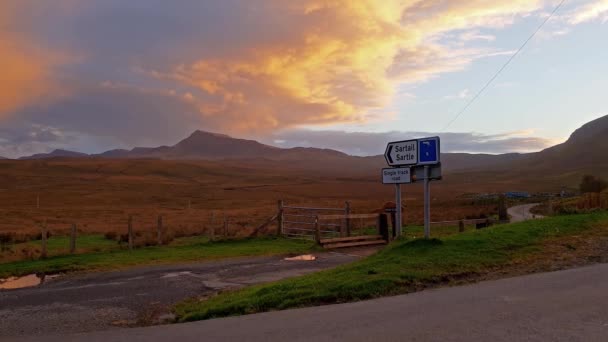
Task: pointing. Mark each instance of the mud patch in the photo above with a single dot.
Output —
(305, 257)
(29, 280)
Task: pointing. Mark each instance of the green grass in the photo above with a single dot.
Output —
(197, 249)
(57, 245)
(404, 266)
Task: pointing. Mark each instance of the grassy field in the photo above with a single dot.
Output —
(181, 250)
(405, 266)
(98, 195)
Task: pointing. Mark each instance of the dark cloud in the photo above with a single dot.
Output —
(97, 118)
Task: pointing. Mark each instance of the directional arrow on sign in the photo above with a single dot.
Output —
(401, 153)
(389, 159)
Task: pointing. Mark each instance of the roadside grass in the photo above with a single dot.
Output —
(404, 266)
(57, 245)
(198, 250)
(414, 232)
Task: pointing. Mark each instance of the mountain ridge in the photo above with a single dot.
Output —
(588, 144)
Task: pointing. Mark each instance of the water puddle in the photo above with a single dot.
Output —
(305, 257)
(21, 282)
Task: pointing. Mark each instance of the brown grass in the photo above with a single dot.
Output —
(195, 197)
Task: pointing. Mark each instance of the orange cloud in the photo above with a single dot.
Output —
(26, 68)
(344, 63)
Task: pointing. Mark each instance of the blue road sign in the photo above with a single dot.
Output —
(428, 151)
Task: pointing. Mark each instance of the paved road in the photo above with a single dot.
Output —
(100, 301)
(522, 212)
(567, 305)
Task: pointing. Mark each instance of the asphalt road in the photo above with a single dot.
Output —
(101, 301)
(522, 212)
(569, 305)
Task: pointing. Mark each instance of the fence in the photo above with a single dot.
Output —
(133, 233)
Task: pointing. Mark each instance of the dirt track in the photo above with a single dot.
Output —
(522, 212)
(102, 301)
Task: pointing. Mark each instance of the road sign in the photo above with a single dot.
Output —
(396, 176)
(434, 172)
(401, 153)
(428, 151)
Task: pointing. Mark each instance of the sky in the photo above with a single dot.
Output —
(93, 75)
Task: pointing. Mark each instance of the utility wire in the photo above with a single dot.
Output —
(502, 68)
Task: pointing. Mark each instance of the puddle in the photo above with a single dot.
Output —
(176, 274)
(21, 282)
(305, 257)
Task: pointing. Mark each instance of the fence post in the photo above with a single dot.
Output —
(347, 213)
(130, 232)
(159, 230)
(383, 227)
(280, 218)
(43, 238)
(225, 226)
(73, 239)
(317, 230)
(460, 226)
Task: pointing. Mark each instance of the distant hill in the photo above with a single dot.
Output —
(584, 152)
(586, 147)
(56, 154)
(199, 145)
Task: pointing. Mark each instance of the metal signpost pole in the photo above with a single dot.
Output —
(398, 209)
(427, 204)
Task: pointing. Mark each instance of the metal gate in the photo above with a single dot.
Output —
(300, 222)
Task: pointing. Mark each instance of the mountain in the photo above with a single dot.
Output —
(56, 154)
(584, 152)
(213, 146)
(200, 145)
(586, 147)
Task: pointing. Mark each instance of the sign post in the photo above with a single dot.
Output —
(398, 212)
(423, 156)
(427, 204)
(397, 176)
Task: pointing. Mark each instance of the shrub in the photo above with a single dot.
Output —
(111, 235)
(5, 239)
(592, 184)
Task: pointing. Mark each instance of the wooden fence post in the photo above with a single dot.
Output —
(225, 226)
(280, 218)
(43, 237)
(317, 230)
(347, 213)
(130, 232)
(159, 230)
(461, 226)
(73, 239)
(383, 227)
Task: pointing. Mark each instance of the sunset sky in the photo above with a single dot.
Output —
(92, 75)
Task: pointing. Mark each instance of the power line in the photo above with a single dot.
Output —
(503, 67)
